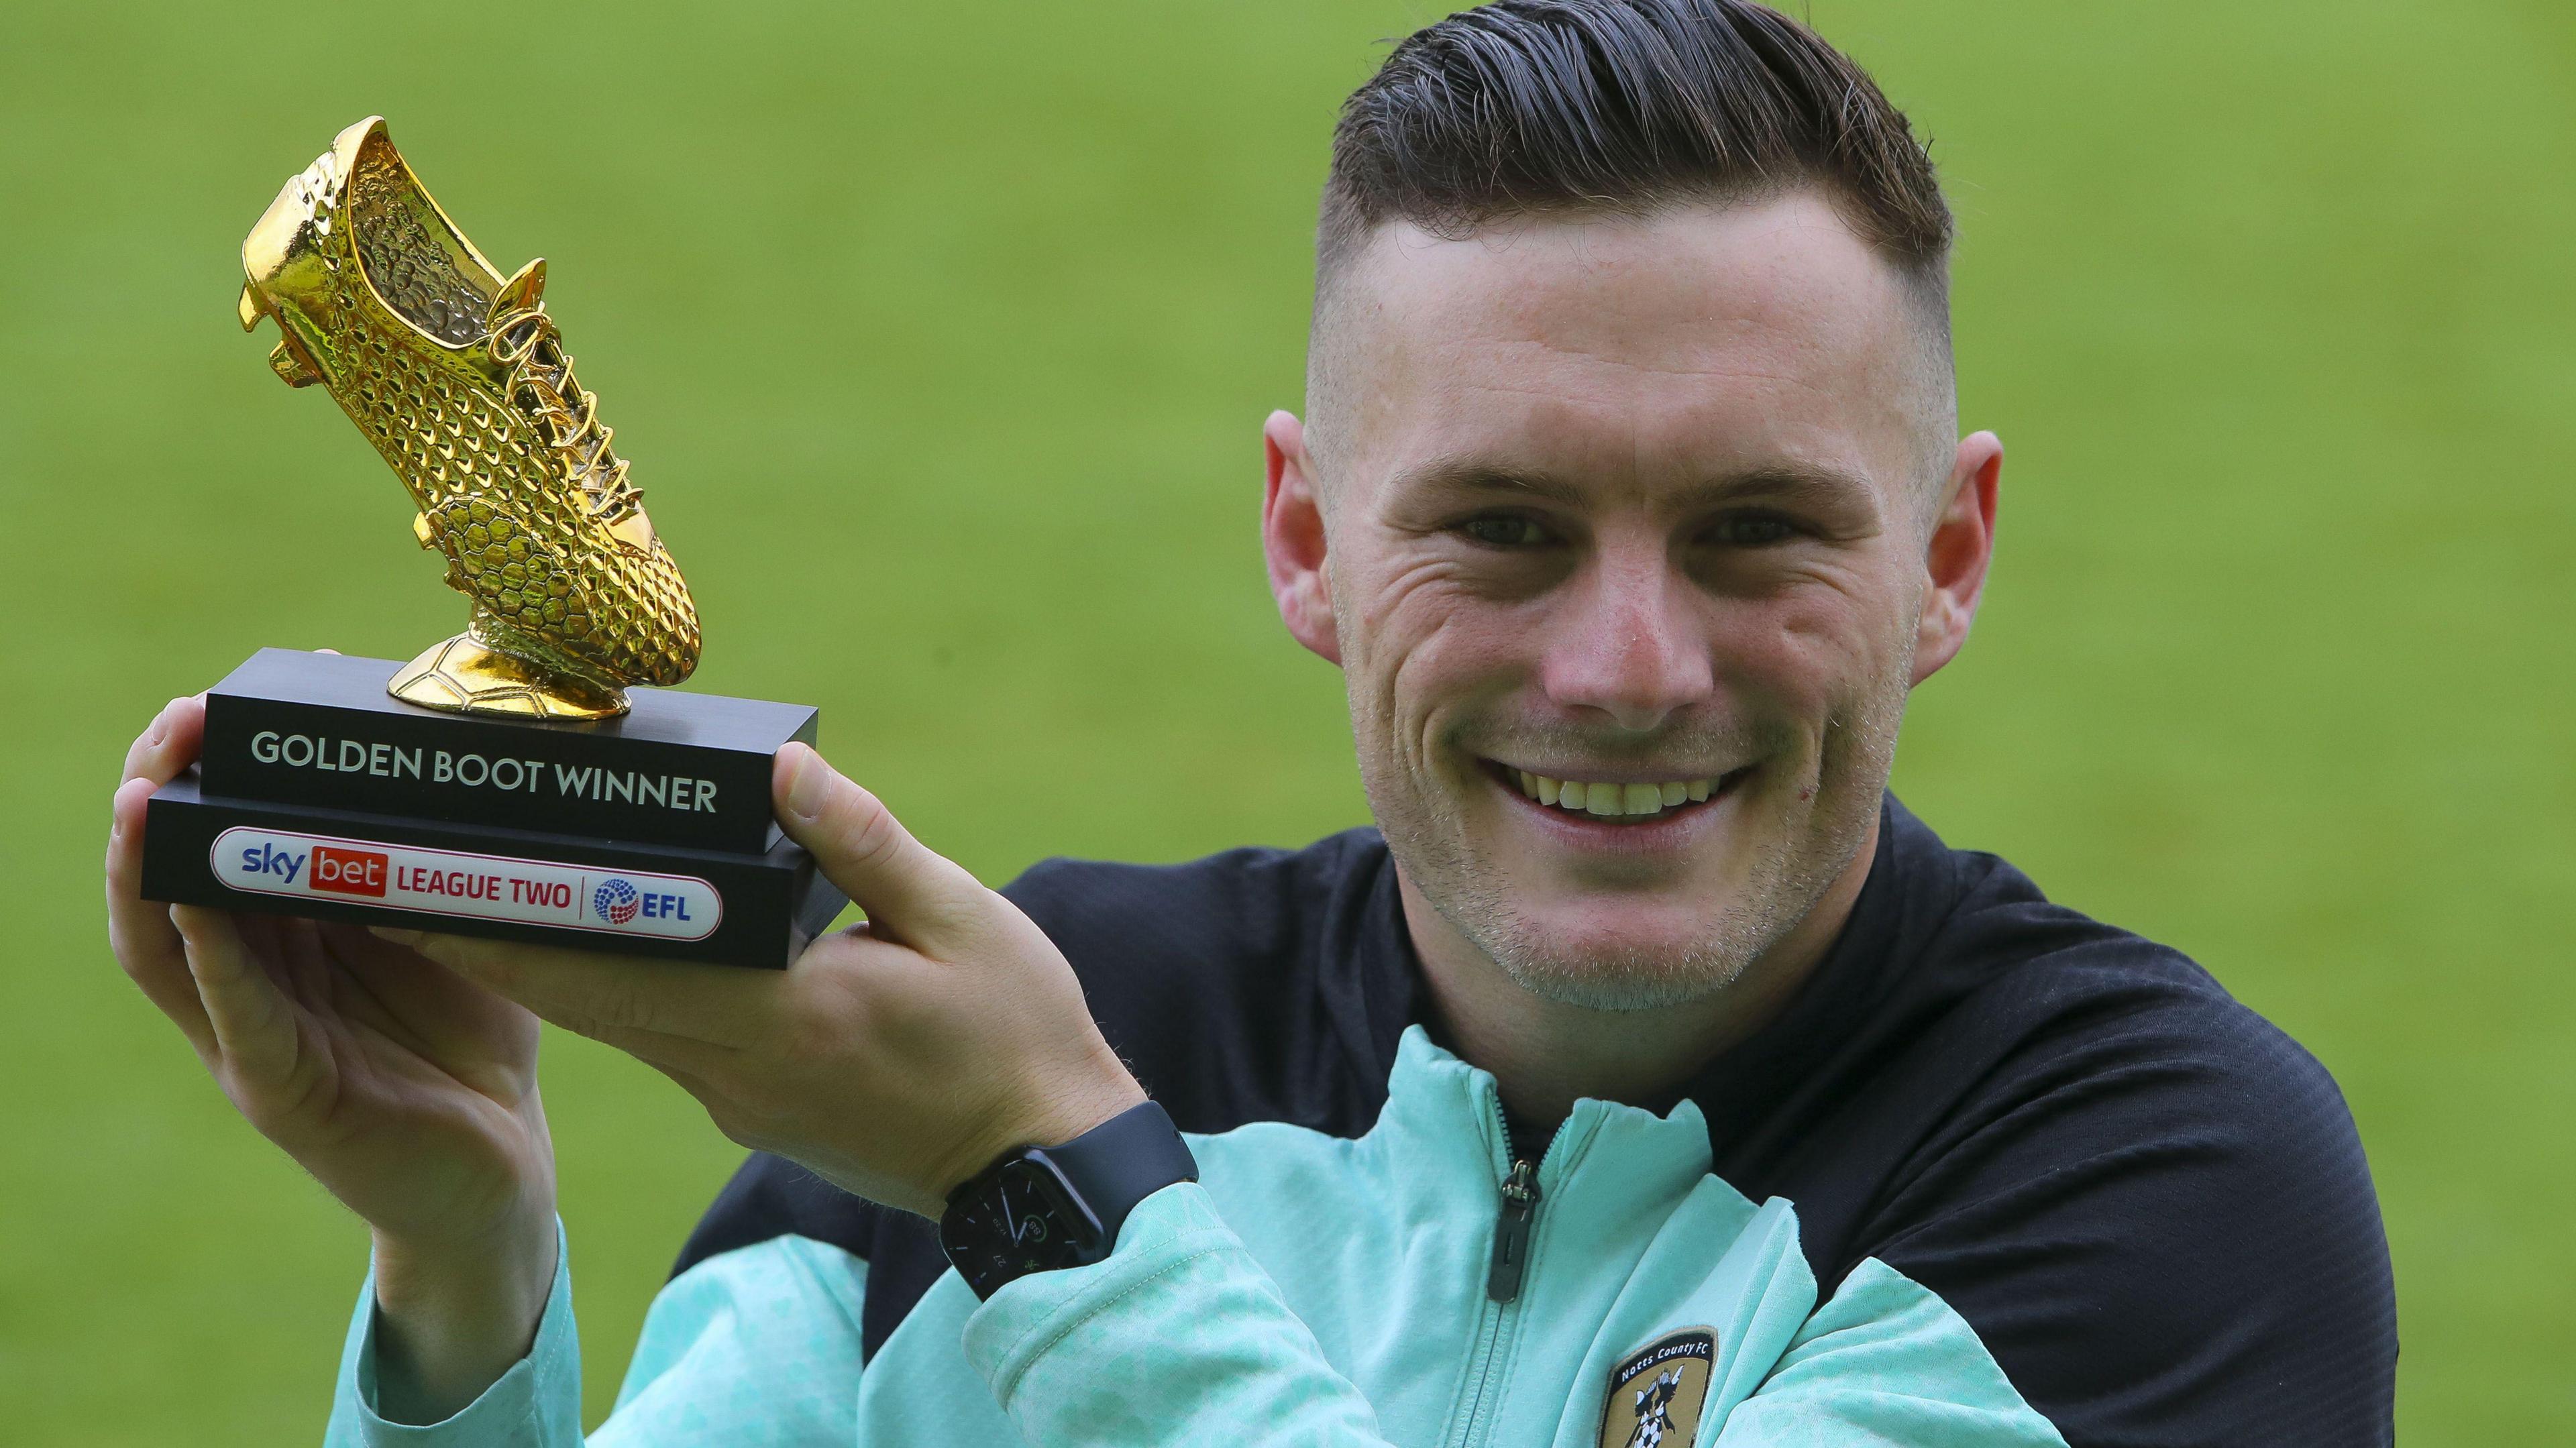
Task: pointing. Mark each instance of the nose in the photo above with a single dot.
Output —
(1628, 642)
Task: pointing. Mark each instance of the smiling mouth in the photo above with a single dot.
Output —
(1617, 802)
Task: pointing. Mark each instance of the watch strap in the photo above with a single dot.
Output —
(1122, 1161)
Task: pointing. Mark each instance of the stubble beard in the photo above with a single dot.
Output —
(1792, 868)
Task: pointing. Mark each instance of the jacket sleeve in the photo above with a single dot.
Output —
(1885, 1364)
(1178, 1337)
(754, 1348)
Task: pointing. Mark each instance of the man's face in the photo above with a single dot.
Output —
(1631, 511)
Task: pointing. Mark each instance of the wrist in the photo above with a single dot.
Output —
(1050, 1117)
(453, 1316)
(1069, 1114)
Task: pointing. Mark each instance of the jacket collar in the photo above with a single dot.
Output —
(1445, 1117)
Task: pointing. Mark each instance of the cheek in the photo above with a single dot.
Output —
(1808, 649)
(1426, 640)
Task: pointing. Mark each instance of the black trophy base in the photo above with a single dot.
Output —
(580, 892)
(318, 795)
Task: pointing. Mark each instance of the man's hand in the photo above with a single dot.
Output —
(896, 1059)
(408, 1091)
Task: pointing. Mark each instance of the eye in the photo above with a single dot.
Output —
(1506, 530)
(1751, 530)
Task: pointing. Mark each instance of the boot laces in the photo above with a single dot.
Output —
(541, 385)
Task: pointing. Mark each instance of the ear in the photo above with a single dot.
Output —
(1292, 537)
(1955, 557)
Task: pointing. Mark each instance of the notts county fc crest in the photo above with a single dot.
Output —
(1657, 1392)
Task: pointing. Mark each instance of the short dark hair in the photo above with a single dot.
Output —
(1530, 106)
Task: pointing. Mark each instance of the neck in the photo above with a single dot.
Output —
(1546, 1054)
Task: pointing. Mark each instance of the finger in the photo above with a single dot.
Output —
(450, 1014)
(147, 945)
(661, 1050)
(170, 743)
(910, 893)
(254, 1024)
(673, 1056)
(716, 1004)
(301, 966)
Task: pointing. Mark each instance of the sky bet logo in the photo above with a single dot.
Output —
(455, 882)
(349, 872)
(265, 859)
(340, 871)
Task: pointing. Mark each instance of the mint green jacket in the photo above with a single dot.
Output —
(1308, 1290)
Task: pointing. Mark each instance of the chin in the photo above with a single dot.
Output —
(1622, 950)
(1622, 975)
(1622, 925)
(1614, 929)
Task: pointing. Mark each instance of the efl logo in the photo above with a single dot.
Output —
(349, 872)
(619, 902)
(616, 901)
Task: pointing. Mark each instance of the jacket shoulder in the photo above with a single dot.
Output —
(2143, 1168)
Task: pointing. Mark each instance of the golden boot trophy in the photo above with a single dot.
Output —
(460, 379)
(505, 782)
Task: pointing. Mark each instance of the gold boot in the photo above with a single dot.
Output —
(460, 379)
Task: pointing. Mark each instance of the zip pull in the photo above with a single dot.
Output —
(1512, 1232)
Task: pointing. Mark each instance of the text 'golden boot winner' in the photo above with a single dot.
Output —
(460, 379)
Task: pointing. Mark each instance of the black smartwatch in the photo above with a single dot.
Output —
(1041, 1208)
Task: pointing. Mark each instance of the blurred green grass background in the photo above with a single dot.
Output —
(940, 335)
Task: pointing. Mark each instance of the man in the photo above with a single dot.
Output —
(1653, 1077)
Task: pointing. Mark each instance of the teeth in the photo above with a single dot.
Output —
(1613, 800)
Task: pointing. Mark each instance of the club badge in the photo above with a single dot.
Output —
(1656, 1392)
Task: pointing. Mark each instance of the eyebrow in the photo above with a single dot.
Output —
(1777, 482)
(1466, 475)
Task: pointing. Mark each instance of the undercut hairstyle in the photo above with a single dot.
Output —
(1525, 107)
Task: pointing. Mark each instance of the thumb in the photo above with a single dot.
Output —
(911, 894)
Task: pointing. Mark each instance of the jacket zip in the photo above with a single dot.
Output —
(1512, 1233)
(1512, 1225)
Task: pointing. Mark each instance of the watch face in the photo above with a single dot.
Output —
(1024, 1220)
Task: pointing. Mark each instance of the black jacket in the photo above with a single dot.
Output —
(2150, 1204)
